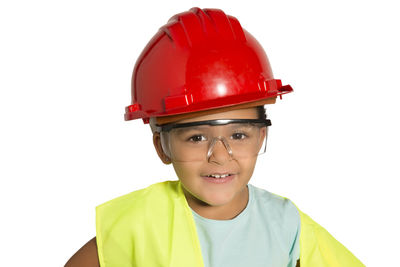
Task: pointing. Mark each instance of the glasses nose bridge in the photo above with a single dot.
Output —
(214, 142)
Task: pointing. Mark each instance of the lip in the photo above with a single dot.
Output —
(219, 180)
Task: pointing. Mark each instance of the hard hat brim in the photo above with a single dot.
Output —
(174, 118)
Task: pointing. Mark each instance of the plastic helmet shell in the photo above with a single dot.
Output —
(201, 59)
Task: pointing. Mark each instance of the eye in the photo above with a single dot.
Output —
(196, 138)
(238, 136)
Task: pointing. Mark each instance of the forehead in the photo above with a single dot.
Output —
(246, 113)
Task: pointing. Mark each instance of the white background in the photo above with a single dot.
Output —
(65, 70)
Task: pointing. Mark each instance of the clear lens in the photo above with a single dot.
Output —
(198, 143)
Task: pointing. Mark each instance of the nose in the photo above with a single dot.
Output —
(219, 151)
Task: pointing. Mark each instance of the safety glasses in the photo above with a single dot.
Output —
(197, 141)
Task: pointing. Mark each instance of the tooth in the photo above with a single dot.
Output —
(217, 176)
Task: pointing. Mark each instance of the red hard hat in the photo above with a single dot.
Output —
(201, 59)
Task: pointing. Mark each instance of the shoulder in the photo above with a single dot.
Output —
(130, 209)
(86, 256)
(277, 210)
(125, 222)
(281, 207)
(281, 216)
(154, 192)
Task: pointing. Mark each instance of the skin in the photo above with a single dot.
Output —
(213, 201)
(86, 256)
(210, 200)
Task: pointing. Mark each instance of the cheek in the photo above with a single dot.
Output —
(186, 171)
(247, 166)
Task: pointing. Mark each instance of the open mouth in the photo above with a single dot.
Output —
(219, 176)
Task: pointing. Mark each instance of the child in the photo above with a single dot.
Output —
(202, 83)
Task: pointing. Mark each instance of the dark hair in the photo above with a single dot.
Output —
(261, 112)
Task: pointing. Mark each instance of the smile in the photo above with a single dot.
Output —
(218, 176)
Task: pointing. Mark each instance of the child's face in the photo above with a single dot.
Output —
(229, 191)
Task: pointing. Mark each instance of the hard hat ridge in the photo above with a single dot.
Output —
(201, 59)
(196, 26)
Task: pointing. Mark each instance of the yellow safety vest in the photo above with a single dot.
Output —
(154, 227)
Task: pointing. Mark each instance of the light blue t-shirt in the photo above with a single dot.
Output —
(265, 233)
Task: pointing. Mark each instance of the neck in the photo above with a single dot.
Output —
(219, 212)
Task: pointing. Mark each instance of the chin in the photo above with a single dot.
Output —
(217, 199)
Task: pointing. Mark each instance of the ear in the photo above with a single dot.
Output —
(157, 145)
